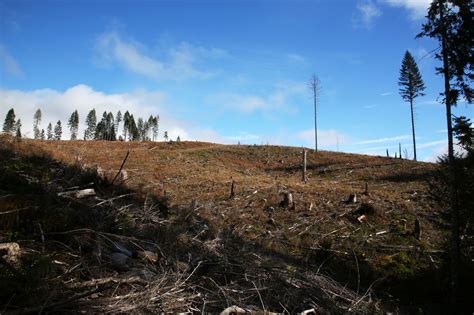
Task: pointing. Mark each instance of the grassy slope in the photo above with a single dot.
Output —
(328, 238)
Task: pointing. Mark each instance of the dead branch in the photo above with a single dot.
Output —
(121, 167)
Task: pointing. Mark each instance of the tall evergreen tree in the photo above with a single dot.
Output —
(451, 22)
(411, 86)
(126, 124)
(134, 133)
(118, 120)
(42, 134)
(73, 124)
(58, 131)
(155, 126)
(9, 123)
(105, 129)
(91, 124)
(110, 127)
(36, 122)
(18, 128)
(165, 135)
(141, 128)
(50, 132)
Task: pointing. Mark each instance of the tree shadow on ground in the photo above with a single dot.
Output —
(403, 177)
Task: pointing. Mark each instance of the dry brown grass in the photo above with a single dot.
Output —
(296, 249)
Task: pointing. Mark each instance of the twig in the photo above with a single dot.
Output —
(121, 166)
(12, 211)
(358, 271)
(42, 237)
(261, 300)
(102, 281)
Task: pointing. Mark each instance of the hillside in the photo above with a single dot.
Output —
(211, 250)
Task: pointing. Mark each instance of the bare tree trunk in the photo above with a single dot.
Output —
(413, 129)
(454, 211)
(304, 165)
(314, 85)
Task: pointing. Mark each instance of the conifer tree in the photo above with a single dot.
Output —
(451, 23)
(9, 123)
(91, 124)
(18, 128)
(42, 134)
(155, 126)
(110, 127)
(73, 124)
(50, 132)
(165, 135)
(411, 86)
(134, 134)
(118, 120)
(58, 131)
(126, 124)
(36, 122)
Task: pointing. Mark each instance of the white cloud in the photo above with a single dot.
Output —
(296, 58)
(326, 138)
(440, 148)
(58, 105)
(175, 63)
(366, 13)
(386, 94)
(9, 64)
(280, 99)
(418, 8)
(384, 140)
(370, 106)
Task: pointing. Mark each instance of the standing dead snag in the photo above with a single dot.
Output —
(304, 166)
(232, 189)
(287, 201)
(417, 230)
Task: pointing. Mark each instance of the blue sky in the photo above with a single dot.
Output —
(227, 71)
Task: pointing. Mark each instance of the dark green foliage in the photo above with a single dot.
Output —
(58, 131)
(73, 124)
(105, 129)
(118, 120)
(18, 128)
(36, 122)
(165, 135)
(464, 133)
(457, 29)
(410, 81)
(91, 124)
(153, 123)
(126, 123)
(50, 132)
(411, 86)
(133, 132)
(9, 123)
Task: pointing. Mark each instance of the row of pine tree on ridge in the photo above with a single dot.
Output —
(106, 129)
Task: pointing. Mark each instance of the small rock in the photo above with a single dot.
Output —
(233, 310)
(10, 252)
(270, 210)
(120, 261)
(352, 198)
